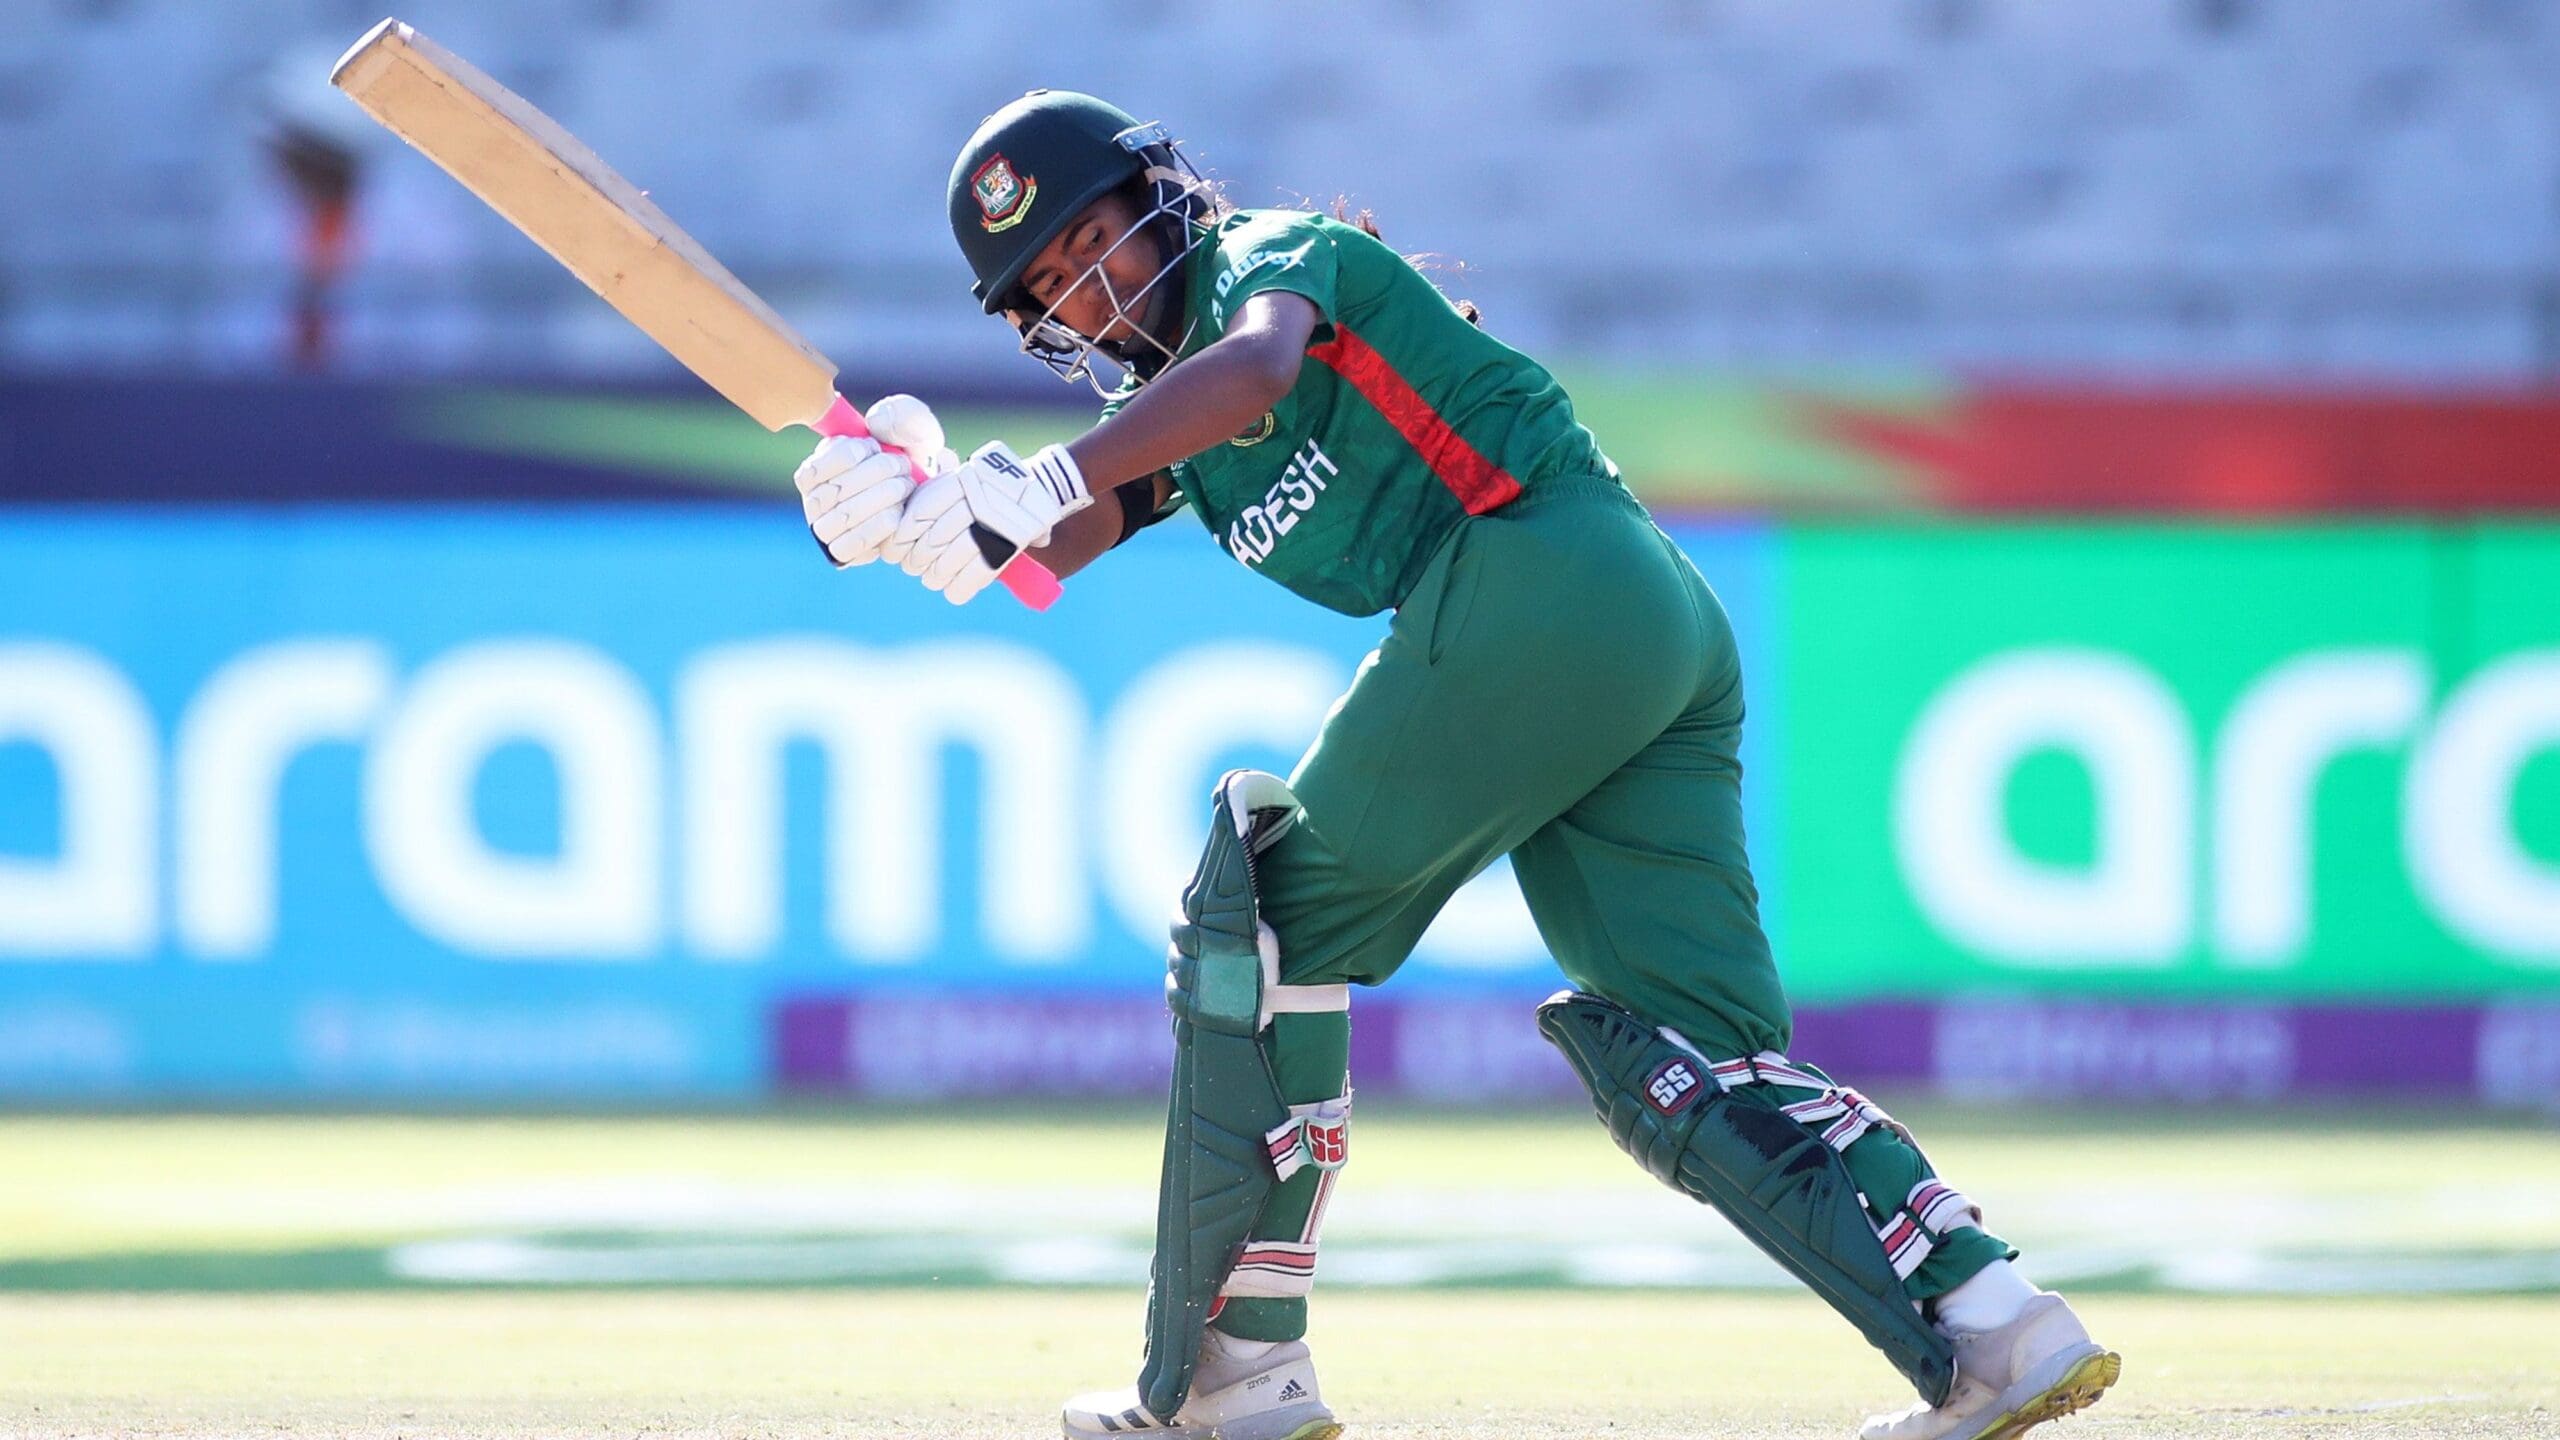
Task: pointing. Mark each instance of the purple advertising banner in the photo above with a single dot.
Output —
(1451, 1049)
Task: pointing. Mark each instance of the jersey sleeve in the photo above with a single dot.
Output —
(1276, 250)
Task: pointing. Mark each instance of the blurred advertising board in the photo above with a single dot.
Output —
(453, 803)
(2152, 761)
(634, 804)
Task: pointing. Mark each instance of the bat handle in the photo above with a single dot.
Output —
(1028, 579)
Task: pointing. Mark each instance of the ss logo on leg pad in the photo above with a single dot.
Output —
(1672, 1086)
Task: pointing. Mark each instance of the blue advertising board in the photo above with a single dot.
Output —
(526, 803)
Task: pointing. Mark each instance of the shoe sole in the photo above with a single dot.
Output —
(2078, 1389)
(1323, 1427)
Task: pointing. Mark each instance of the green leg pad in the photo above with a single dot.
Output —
(1217, 1180)
(1218, 1176)
(1775, 1180)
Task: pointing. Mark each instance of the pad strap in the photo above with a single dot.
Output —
(1272, 1270)
(1840, 1115)
(1912, 1232)
(1306, 999)
(1318, 1135)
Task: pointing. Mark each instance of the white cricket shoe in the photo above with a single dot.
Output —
(2040, 1366)
(1269, 1395)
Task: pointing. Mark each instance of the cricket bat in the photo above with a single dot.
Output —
(561, 194)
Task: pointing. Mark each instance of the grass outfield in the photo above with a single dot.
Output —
(2280, 1273)
(2184, 1200)
(991, 1365)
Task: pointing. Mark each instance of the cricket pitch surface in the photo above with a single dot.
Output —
(956, 1274)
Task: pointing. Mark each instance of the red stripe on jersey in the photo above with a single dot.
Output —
(1479, 484)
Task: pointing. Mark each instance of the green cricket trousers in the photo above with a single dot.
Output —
(1561, 687)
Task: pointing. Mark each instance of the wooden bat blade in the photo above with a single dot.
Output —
(558, 192)
(561, 194)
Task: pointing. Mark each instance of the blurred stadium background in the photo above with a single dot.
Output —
(453, 836)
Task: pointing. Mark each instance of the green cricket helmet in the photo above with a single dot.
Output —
(1035, 165)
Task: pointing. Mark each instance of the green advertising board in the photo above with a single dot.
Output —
(2173, 762)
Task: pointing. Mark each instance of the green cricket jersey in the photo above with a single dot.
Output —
(1406, 417)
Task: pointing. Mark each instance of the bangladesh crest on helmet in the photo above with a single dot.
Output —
(1004, 197)
(1032, 167)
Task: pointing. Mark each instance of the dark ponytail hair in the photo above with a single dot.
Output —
(1367, 222)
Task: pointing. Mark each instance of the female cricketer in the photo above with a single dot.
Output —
(1558, 685)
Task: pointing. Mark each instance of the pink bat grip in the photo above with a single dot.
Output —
(1028, 579)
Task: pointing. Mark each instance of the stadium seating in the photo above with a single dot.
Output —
(2211, 187)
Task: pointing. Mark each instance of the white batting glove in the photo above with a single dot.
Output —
(1022, 500)
(997, 502)
(851, 489)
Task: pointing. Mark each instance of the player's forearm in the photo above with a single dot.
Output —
(1081, 538)
(1202, 402)
(1207, 399)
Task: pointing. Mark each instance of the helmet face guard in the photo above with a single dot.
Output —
(1180, 205)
